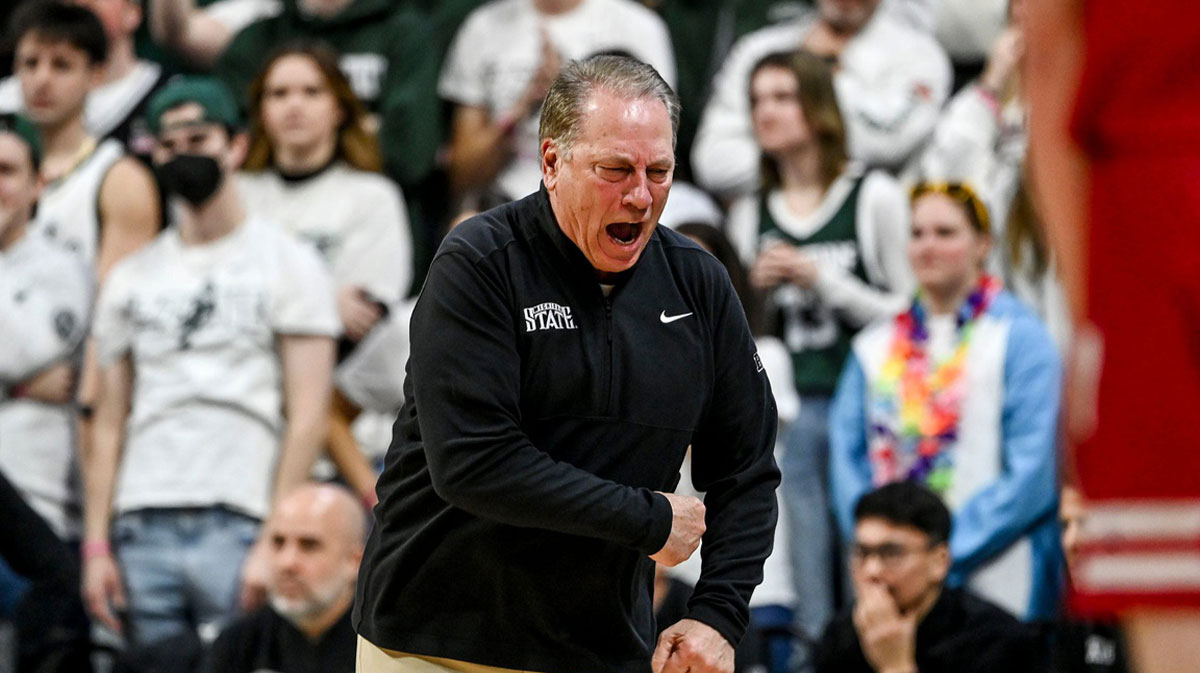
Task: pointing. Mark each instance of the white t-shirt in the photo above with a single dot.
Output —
(498, 49)
(200, 323)
(356, 220)
(69, 209)
(891, 84)
(45, 298)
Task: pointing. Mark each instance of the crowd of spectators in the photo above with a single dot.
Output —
(215, 216)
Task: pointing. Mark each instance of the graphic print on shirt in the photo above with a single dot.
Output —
(222, 309)
(203, 307)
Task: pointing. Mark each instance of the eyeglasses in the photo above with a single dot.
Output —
(962, 193)
(890, 554)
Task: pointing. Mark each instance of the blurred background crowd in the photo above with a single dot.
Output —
(215, 216)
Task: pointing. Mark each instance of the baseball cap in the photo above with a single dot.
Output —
(207, 92)
(25, 130)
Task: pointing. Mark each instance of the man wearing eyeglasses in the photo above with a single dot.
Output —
(904, 620)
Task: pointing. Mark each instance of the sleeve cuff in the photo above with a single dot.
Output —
(729, 626)
(659, 528)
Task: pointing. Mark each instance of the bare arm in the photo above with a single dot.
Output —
(480, 147)
(181, 26)
(1054, 63)
(102, 586)
(129, 213)
(307, 387)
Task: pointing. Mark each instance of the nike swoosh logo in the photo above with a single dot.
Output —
(671, 318)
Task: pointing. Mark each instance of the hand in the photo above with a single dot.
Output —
(357, 312)
(692, 646)
(1003, 61)
(687, 527)
(783, 263)
(55, 385)
(256, 571)
(824, 42)
(102, 590)
(543, 77)
(888, 639)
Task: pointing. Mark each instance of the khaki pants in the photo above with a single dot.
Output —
(372, 659)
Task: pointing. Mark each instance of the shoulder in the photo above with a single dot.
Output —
(886, 32)
(142, 263)
(491, 14)
(126, 176)
(686, 257)
(489, 232)
(983, 616)
(778, 37)
(237, 640)
(366, 185)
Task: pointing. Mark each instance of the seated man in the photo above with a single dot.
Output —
(315, 538)
(904, 620)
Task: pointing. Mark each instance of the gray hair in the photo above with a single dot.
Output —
(625, 77)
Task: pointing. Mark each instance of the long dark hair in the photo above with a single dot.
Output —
(819, 105)
(356, 144)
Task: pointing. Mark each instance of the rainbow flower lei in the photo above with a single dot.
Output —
(916, 407)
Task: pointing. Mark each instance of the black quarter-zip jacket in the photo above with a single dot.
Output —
(517, 502)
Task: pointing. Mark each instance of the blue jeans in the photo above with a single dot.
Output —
(182, 568)
(813, 543)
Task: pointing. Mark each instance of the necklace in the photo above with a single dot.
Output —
(916, 405)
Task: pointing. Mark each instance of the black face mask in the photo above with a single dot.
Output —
(192, 176)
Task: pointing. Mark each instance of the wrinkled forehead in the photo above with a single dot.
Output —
(637, 129)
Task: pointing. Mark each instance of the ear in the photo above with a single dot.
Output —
(239, 145)
(983, 246)
(131, 18)
(551, 163)
(939, 563)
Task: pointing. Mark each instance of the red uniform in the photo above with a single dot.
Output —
(1138, 119)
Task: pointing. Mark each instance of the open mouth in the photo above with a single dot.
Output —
(624, 233)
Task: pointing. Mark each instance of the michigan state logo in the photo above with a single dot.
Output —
(548, 315)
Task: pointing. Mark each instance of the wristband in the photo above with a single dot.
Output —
(16, 392)
(91, 549)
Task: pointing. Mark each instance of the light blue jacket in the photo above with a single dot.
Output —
(1004, 543)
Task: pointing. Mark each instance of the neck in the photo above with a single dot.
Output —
(61, 144)
(13, 233)
(295, 160)
(316, 627)
(121, 60)
(921, 609)
(801, 168)
(942, 301)
(555, 6)
(215, 219)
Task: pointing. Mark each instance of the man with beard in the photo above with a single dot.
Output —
(315, 537)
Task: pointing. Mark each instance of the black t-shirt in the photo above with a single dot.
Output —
(265, 641)
(961, 633)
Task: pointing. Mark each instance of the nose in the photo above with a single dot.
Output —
(286, 557)
(638, 195)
